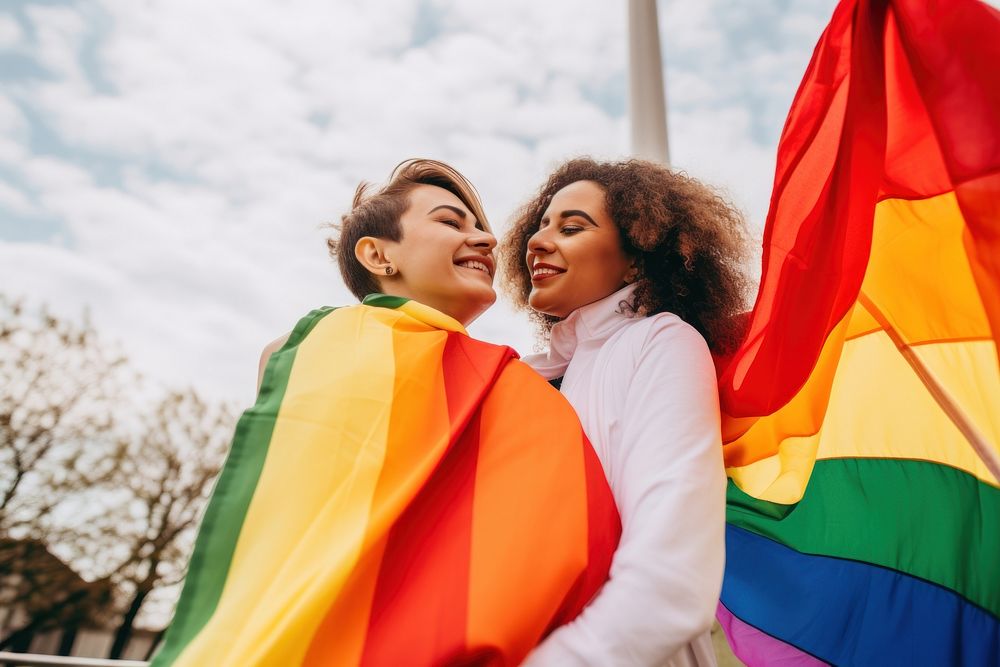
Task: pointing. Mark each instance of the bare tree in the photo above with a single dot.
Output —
(59, 386)
(169, 472)
(58, 389)
(97, 513)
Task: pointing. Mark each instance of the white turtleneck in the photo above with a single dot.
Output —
(645, 390)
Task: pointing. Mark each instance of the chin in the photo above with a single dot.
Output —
(475, 303)
(485, 294)
(545, 306)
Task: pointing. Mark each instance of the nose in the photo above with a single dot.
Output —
(539, 243)
(482, 240)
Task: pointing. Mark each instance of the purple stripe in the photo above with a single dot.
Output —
(755, 647)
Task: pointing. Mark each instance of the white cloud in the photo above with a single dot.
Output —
(11, 33)
(13, 149)
(12, 121)
(58, 33)
(14, 200)
(192, 152)
(55, 175)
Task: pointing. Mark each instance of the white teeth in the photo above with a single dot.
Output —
(544, 272)
(472, 264)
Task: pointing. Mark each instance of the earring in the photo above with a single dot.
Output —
(388, 270)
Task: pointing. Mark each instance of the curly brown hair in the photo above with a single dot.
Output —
(691, 245)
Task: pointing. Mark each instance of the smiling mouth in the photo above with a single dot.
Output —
(544, 272)
(478, 266)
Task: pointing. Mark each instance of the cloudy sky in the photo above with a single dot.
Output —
(168, 164)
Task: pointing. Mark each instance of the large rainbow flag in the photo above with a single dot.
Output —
(863, 411)
(400, 494)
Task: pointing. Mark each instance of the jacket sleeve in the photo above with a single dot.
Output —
(669, 482)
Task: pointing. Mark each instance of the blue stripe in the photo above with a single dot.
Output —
(851, 613)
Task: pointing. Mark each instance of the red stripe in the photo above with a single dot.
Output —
(954, 50)
(839, 154)
(420, 605)
(819, 226)
(419, 610)
(914, 167)
(470, 367)
(603, 533)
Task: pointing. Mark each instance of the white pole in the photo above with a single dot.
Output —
(647, 104)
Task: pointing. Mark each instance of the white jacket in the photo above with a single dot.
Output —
(645, 390)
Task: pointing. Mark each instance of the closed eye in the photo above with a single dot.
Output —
(452, 223)
(569, 230)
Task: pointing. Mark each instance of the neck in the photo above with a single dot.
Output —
(465, 315)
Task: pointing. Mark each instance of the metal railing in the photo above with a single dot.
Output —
(36, 660)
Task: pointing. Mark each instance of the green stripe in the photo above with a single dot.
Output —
(234, 489)
(384, 301)
(924, 519)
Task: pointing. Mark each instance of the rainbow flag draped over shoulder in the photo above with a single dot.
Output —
(400, 494)
(863, 410)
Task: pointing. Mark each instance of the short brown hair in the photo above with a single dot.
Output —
(691, 245)
(378, 215)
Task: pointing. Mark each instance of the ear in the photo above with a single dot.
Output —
(371, 252)
(633, 272)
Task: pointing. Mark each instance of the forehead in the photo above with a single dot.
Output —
(584, 195)
(424, 197)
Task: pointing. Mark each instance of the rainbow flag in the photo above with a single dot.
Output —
(863, 410)
(400, 494)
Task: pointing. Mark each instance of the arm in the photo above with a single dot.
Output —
(269, 349)
(669, 482)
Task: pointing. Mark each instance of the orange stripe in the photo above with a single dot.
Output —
(603, 532)
(979, 200)
(339, 638)
(530, 522)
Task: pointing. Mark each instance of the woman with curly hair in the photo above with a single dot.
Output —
(635, 274)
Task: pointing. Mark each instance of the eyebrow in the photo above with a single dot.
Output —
(457, 211)
(454, 209)
(582, 214)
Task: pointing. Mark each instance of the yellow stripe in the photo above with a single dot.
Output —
(865, 398)
(311, 503)
(434, 318)
(919, 274)
(880, 409)
(418, 437)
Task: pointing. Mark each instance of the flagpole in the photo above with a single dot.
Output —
(647, 104)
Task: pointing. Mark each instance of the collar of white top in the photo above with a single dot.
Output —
(596, 321)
